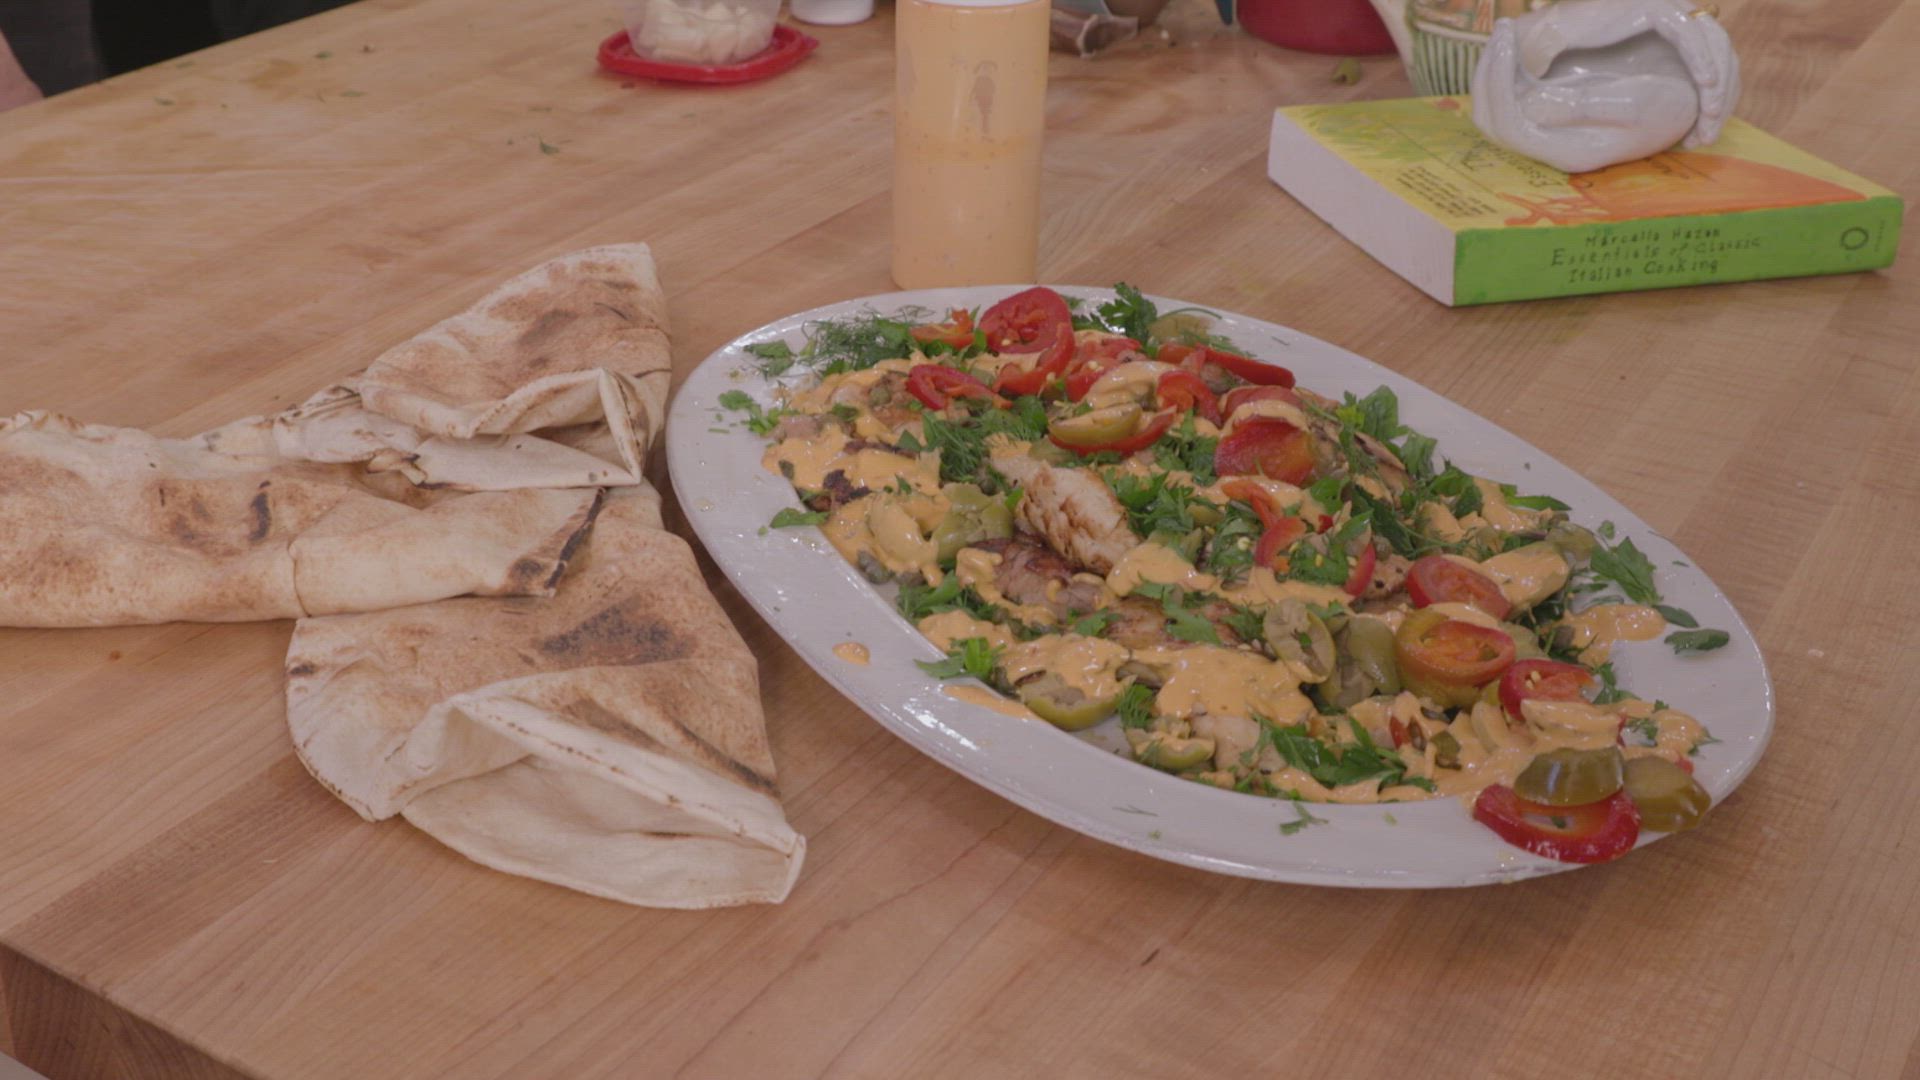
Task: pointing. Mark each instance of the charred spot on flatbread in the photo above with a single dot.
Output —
(617, 635)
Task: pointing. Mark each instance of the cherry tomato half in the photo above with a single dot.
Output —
(1548, 680)
(1241, 395)
(1592, 833)
(1448, 660)
(956, 332)
(1183, 390)
(1035, 321)
(1436, 579)
(936, 385)
(1269, 447)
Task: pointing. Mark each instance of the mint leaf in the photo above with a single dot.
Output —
(1676, 616)
(790, 518)
(1625, 566)
(1697, 641)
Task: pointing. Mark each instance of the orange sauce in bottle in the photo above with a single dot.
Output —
(969, 113)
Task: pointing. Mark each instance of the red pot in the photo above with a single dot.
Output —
(1339, 27)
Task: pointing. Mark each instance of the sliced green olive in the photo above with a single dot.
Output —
(1571, 777)
(1099, 427)
(1369, 642)
(1063, 706)
(1173, 754)
(1668, 797)
(1172, 327)
(1575, 542)
(1525, 645)
(972, 516)
(1298, 637)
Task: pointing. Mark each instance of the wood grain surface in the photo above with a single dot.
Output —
(220, 235)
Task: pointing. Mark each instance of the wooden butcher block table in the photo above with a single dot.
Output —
(220, 235)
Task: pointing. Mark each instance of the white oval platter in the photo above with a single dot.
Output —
(815, 600)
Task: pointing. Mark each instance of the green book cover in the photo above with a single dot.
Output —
(1416, 185)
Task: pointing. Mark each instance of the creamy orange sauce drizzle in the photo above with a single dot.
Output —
(987, 699)
(853, 652)
(1597, 629)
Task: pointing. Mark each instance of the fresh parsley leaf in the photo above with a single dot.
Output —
(1129, 313)
(968, 656)
(1645, 728)
(1377, 414)
(1625, 566)
(737, 400)
(1304, 819)
(1136, 706)
(759, 421)
(1334, 768)
(1182, 621)
(1420, 782)
(771, 350)
(1530, 502)
(1092, 625)
(1697, 641)
(1229, 551)
(1677, 616)
(1325, 492)
(917, 600)
(1610, 689)
(1247, 623)
(1323, 560)
(1184, 448)
(789, 518)
(1416, 453)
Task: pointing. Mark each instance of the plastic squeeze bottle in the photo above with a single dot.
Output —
(968, 115)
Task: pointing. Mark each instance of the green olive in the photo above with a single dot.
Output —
(1174, 754)
(1063, 706)
(1668, 797)
(1099, 427)
(973, 516)
(1205, 513)
(1525, 645)
(1298, 637)
(1370, 644)
(1575, 542)
(1571, 777)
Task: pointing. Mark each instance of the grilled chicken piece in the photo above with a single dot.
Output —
(1071, 509)
(1031, 574)
(798, 426)
(1389, 573)
(836, 491)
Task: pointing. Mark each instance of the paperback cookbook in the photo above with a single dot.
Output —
(1418, 187)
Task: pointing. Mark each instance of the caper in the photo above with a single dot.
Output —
(1567, 777)
(1668, 797)
(1446, 750)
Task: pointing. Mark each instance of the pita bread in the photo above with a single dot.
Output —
(105, 526)
(608, 740)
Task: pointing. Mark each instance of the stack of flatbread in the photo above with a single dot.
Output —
(496, 637)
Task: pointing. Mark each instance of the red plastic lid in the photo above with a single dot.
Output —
(788, 47)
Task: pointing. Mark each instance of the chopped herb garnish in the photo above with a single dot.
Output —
(1182, 622)
(1304, 819)
(1625, 566)
(968, 656)
(789, 518)
(1136, 706)
(1697, 641)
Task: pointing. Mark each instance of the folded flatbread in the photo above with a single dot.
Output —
(497, 639)
(609, 739)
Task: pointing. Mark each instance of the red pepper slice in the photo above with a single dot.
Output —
(1592, 833)
(1398, 729)
(1363, 565)
(1139, 440)
(1268, 446)
(1435, 579)
(956, 332)
(1279, 536)
(1253, 495)
(1034, 321)
(1548, 680)
(936, 385)
(1246, 367)
(1183, 390)
(1096, 358)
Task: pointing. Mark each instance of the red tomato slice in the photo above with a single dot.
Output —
(1183, 390)
(1269, 447)
(1437, 579)
(1454, 653)
(1592, 833)
(1139, 440)
(1363, 565)
(956, 332)
(1280, 536)
(1548, 680)
(1255, 496)
(1399, 731)
(1246, 367)
(1034, 321)
(1096, 358)
(1240, 395)
(936, 385)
